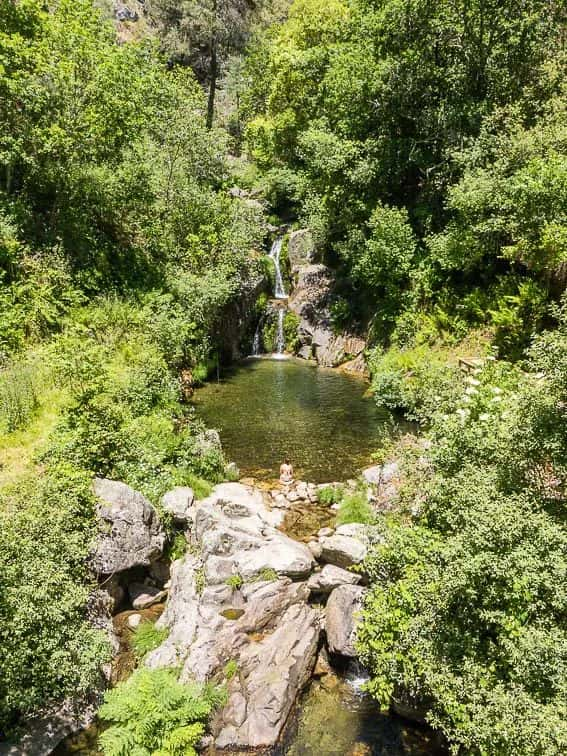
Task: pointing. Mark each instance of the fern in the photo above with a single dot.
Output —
(153, 714)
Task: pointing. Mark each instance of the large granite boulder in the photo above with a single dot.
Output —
(262, 623)
(330, 578)
(343, 608)
(130, 533)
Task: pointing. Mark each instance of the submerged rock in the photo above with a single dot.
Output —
(341, 620)
(130, 534)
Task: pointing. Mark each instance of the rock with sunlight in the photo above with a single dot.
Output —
(232, 600)
(342, 612)
(130, 533)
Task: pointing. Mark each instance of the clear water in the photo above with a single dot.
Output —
(266, 409)
(335, 718)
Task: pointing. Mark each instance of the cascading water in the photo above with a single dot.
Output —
(279, 290)
(256, 342)
(280, 338)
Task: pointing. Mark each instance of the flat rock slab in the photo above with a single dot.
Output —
(330, 578)
(130, 534)
(144, 596)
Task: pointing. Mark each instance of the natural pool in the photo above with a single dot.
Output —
(266, 409)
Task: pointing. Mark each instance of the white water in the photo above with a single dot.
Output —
(280, 338)
(256, 342)
(356, 676)
(279, 290)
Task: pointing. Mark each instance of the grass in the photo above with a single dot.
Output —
(146, 637)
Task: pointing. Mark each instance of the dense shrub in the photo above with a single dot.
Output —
(466, 609)
(48, 648)
(416, 381)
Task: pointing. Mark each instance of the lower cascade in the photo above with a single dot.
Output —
(280, 337)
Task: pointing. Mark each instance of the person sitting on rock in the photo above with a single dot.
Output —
(286, 472)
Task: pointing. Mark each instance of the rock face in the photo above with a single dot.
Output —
(265, 625)
(342, 609)
(131, 534)
(330, 578)
(301, 249)
(310, 300)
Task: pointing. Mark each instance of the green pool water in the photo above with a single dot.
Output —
(266, 409)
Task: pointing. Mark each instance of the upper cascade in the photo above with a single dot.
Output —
(279, 290)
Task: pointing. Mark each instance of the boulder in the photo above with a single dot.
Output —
(144, 596)
(315, 548)
(342, 609)
(178, 503)
(342, 550)
(330, 578)
(130, 533)
(272, 672)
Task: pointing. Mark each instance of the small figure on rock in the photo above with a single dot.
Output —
(286, 472)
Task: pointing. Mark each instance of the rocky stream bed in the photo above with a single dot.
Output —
(265, 587)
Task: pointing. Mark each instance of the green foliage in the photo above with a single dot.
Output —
(290, 326)
(230, 669)
(466, 608)
(234, 581)
(416, 381)
(18, 395)
(146, 637)
(48, 648)
(330, 495)
(153, 713)
(355, 508)
(177, 547)
(267, 575)
(200, 580)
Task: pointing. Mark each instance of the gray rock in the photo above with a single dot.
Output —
(315, 548)
(330, 578)
(342, 611)
(178, 503)
(342, 550)
(325, 532)
(143, 596)
(266, 626)
(130, 534)
(301, 249)
(353, 530)
(273, 671)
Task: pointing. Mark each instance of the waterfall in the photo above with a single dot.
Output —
(279, 290)
(280, 338)
(256, 343)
